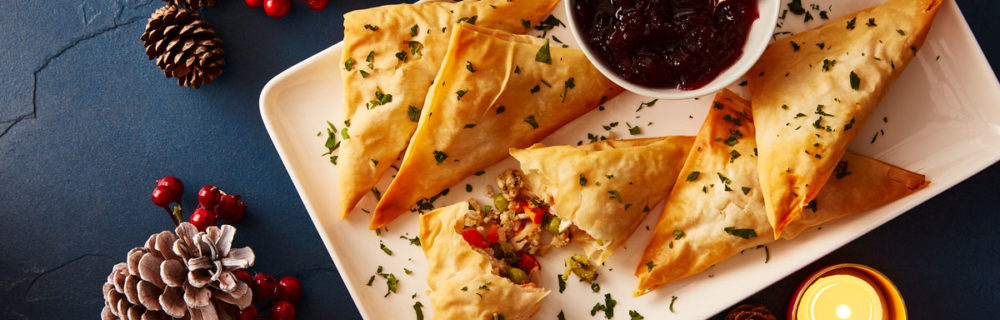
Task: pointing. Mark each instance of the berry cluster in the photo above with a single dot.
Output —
(280, 8)
(277, 297)
(213, 204)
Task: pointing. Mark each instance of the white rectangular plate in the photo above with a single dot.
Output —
(943, 120)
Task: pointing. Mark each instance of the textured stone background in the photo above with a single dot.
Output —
(87, 123)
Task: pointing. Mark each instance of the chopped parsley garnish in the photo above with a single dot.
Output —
(795, 46)
(742, 233)
(649, 265)
(440, 156)
(531, 120)
(526, 23)
(615, 195)
(583, 180)
(693, 176)
(871, 22)
(415, 48)
(385, 249)
(414, 30)
(648, 104)
(407, 271)
(634, 315)
(796, 7)
(420, 313)
(543, 54)
(811, 205)
(672, 300)
(371, 27)
(468, 188)
(371, 280)
(733, 155)
(809, 17)
(548, 24)
(560, 316)
(678, 234)
(349, 64)
(414, 113)
(800, 115)
(633, 130)
(608, 307)
(900, 31)
(468, 66)
(517, 69)
(827, 64)
(734, 136)
(343, 133)
(401, 56)
(819, 111)
(850, 23)
(469, 20)
(595, 287)
(717, 105)
(415, 241)
(380, 98)
(562, 283)
(841, 170)
(566, 86)
(460, 93)
(855, 81)
(746, 190)
(469, 125)
(849, 125)
(723, 178)
(371, 59)
(364, 74)
(536, 89)
(501, 109)
(331, 142)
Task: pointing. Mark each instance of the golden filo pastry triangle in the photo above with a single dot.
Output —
(604, 189)
(716, 207)
(814, 91)
(495, 91)
(391, 55)
(462, 281)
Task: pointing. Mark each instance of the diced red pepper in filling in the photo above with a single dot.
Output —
(474, 238)
(493, 235)
(537, 214)
(527, 262)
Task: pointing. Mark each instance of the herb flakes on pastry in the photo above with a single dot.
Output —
(814, 91)
(391, 55)
(717, 209)
(604, 189)
(494, 91)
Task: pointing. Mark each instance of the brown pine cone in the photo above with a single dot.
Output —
(184, 46)
(193, 4)
(750, 312)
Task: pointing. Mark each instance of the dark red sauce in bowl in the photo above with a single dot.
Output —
(681, 44)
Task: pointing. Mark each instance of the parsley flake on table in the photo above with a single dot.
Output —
(543, 54)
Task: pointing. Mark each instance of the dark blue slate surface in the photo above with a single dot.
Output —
(87, 124)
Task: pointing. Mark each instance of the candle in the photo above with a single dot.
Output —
(847, 292)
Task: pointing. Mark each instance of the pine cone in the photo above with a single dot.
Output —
(193, 4)
(184, 275)
(750, 312)
(184, 46)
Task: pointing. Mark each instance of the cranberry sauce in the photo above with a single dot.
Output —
(680, 44)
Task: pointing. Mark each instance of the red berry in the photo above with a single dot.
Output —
(175, 185)
(283, 310)
(231, 208)
(254, 3)
(162, 196)
(244, 276)
(250, 313)
(264, 286)
(208, 196)
(317, 4)
(202, 219)
(277, 8)
(289, 288)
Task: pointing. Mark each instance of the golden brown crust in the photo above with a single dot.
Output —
(453, 264)
(459, 135)
(605, 188)
(807, 105)
(702, 209)
(381, 132)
